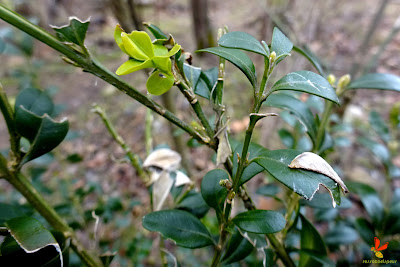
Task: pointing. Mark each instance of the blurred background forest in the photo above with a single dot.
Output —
(86, 170)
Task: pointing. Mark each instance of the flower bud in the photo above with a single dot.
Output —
(272, 57)
(331, 79)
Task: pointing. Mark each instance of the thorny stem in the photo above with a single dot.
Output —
(90, 65)
(133, 158)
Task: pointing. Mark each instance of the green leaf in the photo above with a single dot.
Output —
(31, 235)
(286, 137)
(173, 50)
(310, 240)
(322, 201)
(159, 83)
(214, 194)
(269, 190)
(8, 212)
(206, 82)
(180, 226)
(163, 64)
(134, 65)
(307, 82)
(237, 58)
(237, 249)
(379, 150)
(379, 125)
(195, 204)
(157, 32)
(382, 81)
(280, 44)
(118, 39)
(242, 40)
(298, 108)
(365, 229)
(32, 121)
(252, 169)
(341, 234)
(192, 74)
(370, 200)
(393, 220)
(50, 134)
(260, 221)
(303, 182)
(138, 45)
(308, 54)
(74, 32)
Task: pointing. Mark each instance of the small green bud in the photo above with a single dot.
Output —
(226, 183)
(272, 57)
(331, 79)
(231, 196)
(342, 84)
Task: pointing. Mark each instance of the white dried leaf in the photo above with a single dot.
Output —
(165, 159)
(313, 162)
(161, 189)
(181, 179)
(224, 148)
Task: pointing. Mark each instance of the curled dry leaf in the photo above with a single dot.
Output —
(181, 179)
(313, 162)
(164, 159)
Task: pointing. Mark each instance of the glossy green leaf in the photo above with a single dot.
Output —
(214, 194)
(313, 59)
(180, 226)
(206, 82)
(323, 201)
(242, 40)
(307, 82)
(393, 220)
(118, 39)
(379, 125)
(303, 182)
(163, 63)
(138, 45)
(370, 200)
(382, 81)
(134, 65)
(341, 234)
(192, 74)
(286, 137)
(35, 104)
(237, 249)
(159, 83)
(318, 259)
(311, 240)
(31, 235)
(365, 229)
(280, 44)
(160, 50)
(157, 32)
(379, 150)
(173, 50)
(8, 212)
(252, 169)
(74, 32)
(50, 134)
(260, 221)
(195, 204)
(269, 190)
(298, 108)
(237, 58)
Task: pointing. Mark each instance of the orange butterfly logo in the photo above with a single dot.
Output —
(378, 249)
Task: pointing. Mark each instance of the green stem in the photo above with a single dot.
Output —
(23, 186)
(280, 250)
(221, 243)
(191, 97)
(3, 167)
(161, 249)
(291, 207)
(8, 114)
(148, 131)
(90, 65)
(133, 158)
(322, 126)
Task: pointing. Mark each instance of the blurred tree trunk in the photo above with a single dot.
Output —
(201, 24)
(126, 12)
